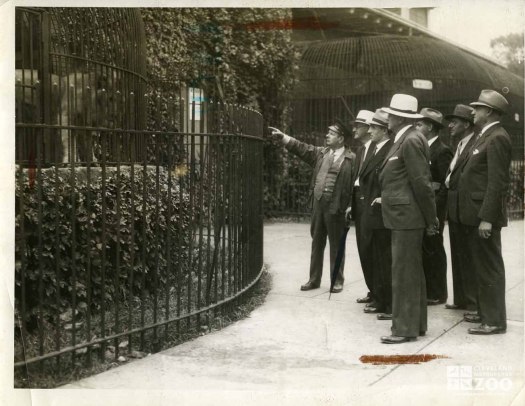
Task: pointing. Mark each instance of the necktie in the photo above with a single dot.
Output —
(459, 150)
(328, 161)
(365, 158)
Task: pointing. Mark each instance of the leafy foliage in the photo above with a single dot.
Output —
(238, 55)
(71, 246)
(508, 49)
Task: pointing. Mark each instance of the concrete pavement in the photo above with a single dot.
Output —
(299, 347)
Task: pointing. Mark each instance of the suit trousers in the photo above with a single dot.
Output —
(435, 266)
(463, 275)
(325, 224)
(364, 241)
(382, 260)
(490, 276)
(409, 296)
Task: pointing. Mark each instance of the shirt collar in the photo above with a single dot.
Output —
(484, 129)
(380, 145)
(338, 152)
(466, 138)
(401, 132)
(432, 140)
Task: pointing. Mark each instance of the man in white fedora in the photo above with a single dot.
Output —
(408, 207)
(482, 191)
(363, 236)
(372, 218)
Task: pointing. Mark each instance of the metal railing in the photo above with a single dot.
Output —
(116, 251)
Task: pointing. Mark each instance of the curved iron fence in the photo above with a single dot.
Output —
(118, 251)
(125, 237)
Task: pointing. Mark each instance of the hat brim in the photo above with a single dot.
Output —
(378, 124)
(401, 113)
(450, 116)
(341, 132)
(440, 125)
(486, 105)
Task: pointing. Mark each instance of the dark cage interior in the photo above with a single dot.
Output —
(340, 77)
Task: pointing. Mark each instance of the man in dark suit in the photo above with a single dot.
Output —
(330, 195)
(434, 256)
(372, 218)
(363, 236)
(408, 207)
(482, 191)
(461, 128)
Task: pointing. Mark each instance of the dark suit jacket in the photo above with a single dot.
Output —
(371, 188)
(440, 157)
(406, 191)
(313, 156)
(452, 196)
(484, 181)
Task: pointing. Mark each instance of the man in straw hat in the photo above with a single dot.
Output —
(408, 207)
(363, 236)
(372, 218)
(434, 256)
(482, 191)
(461, 129)
(330, 195)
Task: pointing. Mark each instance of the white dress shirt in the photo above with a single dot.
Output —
(432, 140)
(401, 132)
(461, 146)
(367, 145)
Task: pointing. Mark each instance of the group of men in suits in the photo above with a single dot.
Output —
(398, 188)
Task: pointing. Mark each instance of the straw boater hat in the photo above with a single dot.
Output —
(363, 116)
(492, 99)
(432, 115)
(403, 105)
(463, 112)
(380, 118)
(341, 128)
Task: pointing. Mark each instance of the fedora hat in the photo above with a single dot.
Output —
(379, 118)
(463, 112)
(492, 99)
(403, 105)
(363, 116)
(432, 115)
(341, 128)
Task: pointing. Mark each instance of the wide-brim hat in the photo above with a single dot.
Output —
(341, 128)
(403, 105)
(463, 112)
(363, 116)
(494, 100)
(432, 115)
(379, 118)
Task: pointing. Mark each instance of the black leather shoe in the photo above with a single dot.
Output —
(472, 313)
(338, 287)
(373, 303)
(455, 307)
(309, 286)
(384, 316)
(433, 302)
(396, 339)
(366, 299)
(472, 318)
(486, 330)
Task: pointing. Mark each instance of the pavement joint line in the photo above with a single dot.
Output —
(417, 352)
(515, 286)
